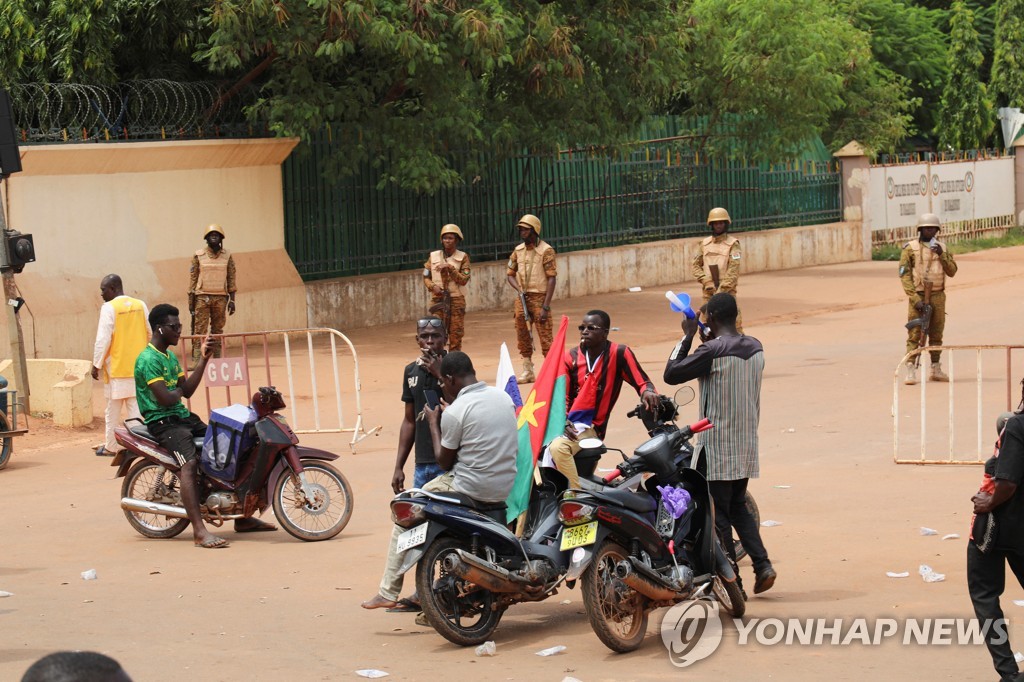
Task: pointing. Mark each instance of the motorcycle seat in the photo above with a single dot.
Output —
(142, 431)
(640, 503)
(495, 510)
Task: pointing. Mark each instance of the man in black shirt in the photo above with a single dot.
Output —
(997, 539)
(421, 375)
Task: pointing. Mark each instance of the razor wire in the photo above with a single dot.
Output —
(156, 109)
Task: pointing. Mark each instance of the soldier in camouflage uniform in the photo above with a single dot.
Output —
(531, 270)
(926, 259)
(211, 288)
(722, 250)
(444, 274)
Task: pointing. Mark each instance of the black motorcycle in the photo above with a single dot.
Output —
(471, 567)
(633, 552)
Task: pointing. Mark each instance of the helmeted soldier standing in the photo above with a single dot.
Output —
(444, 274)
(719, 253)
(531, 270)
(211, 288)
(925, 260)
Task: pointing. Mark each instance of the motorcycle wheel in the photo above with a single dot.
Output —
(461, 612)
(729, 594)
(323, 517)
(8, 443)
(153, 483)
(751, 505)
(617, 613)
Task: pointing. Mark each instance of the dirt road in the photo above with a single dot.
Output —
(274, 608)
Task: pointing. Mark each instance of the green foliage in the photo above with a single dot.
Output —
(405, 82)
(965, 117)
(97, 41)
(1007, 83)
(791, 69)
(908, 42)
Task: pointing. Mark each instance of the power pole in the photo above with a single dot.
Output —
(14, 331)
(12, 261)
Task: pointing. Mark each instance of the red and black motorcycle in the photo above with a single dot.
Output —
(264, 465)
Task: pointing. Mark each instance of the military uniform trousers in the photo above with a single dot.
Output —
(454, 319)
(535, 304)
(211, 313)
(938, 301)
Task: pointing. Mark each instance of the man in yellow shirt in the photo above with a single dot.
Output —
(120, 337)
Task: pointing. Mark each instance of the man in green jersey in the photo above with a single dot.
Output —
(159, 388)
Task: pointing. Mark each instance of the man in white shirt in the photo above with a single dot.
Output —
(122, 334)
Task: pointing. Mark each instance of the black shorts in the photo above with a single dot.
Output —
(175, 435)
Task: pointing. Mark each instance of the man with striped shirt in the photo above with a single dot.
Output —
(596, 369)
(729, 367)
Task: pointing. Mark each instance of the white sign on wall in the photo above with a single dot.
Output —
(959, 190)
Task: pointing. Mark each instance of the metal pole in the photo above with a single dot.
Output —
(14, 332)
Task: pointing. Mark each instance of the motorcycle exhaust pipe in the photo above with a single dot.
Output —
(144, 507)
(488, 577)
(624, 571)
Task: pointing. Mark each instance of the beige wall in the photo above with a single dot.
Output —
(351, 302)
(139, 210)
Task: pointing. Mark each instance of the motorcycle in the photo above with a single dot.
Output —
(311, 499)
(638, 552)
(470, 566)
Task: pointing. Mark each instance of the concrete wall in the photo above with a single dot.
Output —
(139, 210)
(351, 302)
(62, 388)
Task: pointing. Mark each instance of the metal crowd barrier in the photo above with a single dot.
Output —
(314, 371)
(940, 421)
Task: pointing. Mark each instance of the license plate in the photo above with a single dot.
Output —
(579, 536)
(414, 537)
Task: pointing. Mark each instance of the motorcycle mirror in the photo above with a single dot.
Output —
(684, 396)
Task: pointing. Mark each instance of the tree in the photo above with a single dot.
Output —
(409, 82)
(965, 116)
(908, 42)
(99, 42)
(789, 69)
(1007, 82)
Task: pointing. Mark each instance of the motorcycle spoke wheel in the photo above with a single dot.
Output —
(460, 611)
(322, 517)
(729, 594)
(153, 483)
(617, 612)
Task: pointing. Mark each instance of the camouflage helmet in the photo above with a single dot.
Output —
(928, 220)
(717, 214)
(530, 221)
(213, 227)
(452, 228)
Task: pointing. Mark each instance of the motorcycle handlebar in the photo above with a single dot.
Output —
(702, 425)
(609, 477)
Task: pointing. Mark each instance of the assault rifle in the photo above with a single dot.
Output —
(924, 320)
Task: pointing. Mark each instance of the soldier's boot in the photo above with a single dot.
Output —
(937, 374)
(526, 376)
(911, 374)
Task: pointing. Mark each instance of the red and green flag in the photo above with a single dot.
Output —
(541, 420)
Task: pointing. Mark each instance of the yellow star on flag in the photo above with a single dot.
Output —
(527, 413)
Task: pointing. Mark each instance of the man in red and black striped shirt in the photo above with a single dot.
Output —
(596, 369)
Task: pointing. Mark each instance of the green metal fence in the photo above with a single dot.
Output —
(585, 200)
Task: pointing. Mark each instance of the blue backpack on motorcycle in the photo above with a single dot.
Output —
(230, 434)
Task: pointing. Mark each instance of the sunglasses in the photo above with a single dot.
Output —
(175, 327)
(430, 322)
(591, 328)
